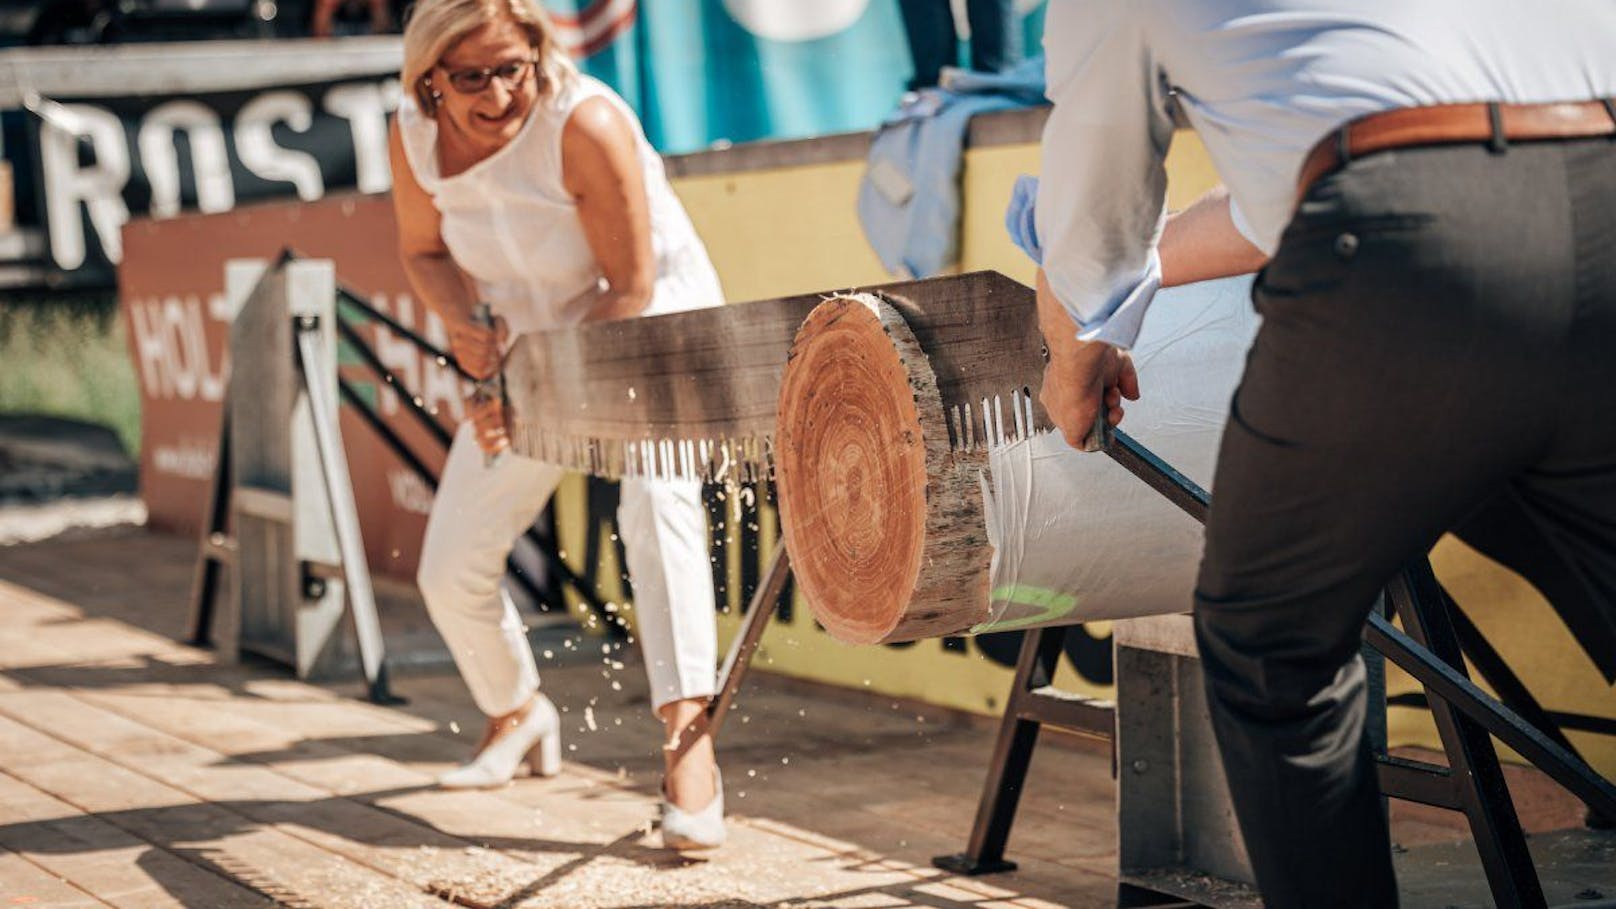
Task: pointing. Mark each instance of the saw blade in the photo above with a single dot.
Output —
(693, 394)
(980, 331)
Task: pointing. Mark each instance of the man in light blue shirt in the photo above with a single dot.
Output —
(1430, 189)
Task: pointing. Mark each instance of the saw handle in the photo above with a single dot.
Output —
(1102, 432)
(493, 387)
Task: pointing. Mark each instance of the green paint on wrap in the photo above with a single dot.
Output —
(1047, 606)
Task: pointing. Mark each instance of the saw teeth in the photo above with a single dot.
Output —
(746, 459)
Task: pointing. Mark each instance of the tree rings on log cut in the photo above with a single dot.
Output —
(883, 521)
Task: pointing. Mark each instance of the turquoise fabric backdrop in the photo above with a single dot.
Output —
(706, 71)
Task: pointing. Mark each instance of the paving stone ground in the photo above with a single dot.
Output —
(138, 771)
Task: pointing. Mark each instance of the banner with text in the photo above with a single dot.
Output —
(171, 293)
(98, 162)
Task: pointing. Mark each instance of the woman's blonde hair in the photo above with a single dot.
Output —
(433, 26)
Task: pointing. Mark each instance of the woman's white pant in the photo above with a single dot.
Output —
(476, 517)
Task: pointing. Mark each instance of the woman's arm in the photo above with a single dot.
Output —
(600, 167)
(446, 290)
(433, 275)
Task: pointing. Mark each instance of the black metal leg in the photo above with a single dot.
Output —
(1012, 756)
(211, 553)
(1513, 692)
(765, 601)
(1491, 666)
(206, 587)
(1472, 760)
(1444, 681)
(996, 812)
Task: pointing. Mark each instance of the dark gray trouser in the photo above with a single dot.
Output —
(1439, 328)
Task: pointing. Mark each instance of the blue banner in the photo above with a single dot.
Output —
(706, 71)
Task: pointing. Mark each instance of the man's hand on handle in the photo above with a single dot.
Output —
(1080, 374)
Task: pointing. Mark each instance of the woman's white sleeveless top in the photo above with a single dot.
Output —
(510, 223)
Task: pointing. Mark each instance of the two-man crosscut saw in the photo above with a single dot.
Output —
(694, 394)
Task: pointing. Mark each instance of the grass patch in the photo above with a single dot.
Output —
(66, 356)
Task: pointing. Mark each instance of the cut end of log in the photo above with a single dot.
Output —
(864, 473)
(851, 467)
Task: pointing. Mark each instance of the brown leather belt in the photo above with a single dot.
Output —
(1446, 124)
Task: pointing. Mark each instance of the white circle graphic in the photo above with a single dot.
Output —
(795, 20)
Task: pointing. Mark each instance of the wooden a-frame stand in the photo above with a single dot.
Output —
(281, 513)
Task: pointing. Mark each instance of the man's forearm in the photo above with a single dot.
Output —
(1201, 243)
(1059, 330)
(1083, 380)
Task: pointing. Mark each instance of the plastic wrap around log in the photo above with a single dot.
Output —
(895, 537)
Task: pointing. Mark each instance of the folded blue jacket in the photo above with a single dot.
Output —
(1021, 218)
(909, 198)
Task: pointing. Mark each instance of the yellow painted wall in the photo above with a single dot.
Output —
(782, 232)
(794, 230)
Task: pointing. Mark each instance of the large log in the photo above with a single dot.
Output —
(896, 535)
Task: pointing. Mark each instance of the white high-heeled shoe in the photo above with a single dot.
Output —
(702, 829)
(536, 741)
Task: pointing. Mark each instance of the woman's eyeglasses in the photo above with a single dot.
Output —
(476, 81)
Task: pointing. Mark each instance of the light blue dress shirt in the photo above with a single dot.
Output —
(1261, 81)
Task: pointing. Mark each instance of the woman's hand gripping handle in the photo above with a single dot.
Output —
(478, 346)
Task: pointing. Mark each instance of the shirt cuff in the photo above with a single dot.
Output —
(1119, 324)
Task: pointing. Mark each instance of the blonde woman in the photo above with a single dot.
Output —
(521, 182)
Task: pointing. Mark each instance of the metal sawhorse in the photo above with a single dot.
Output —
(1430, 651)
